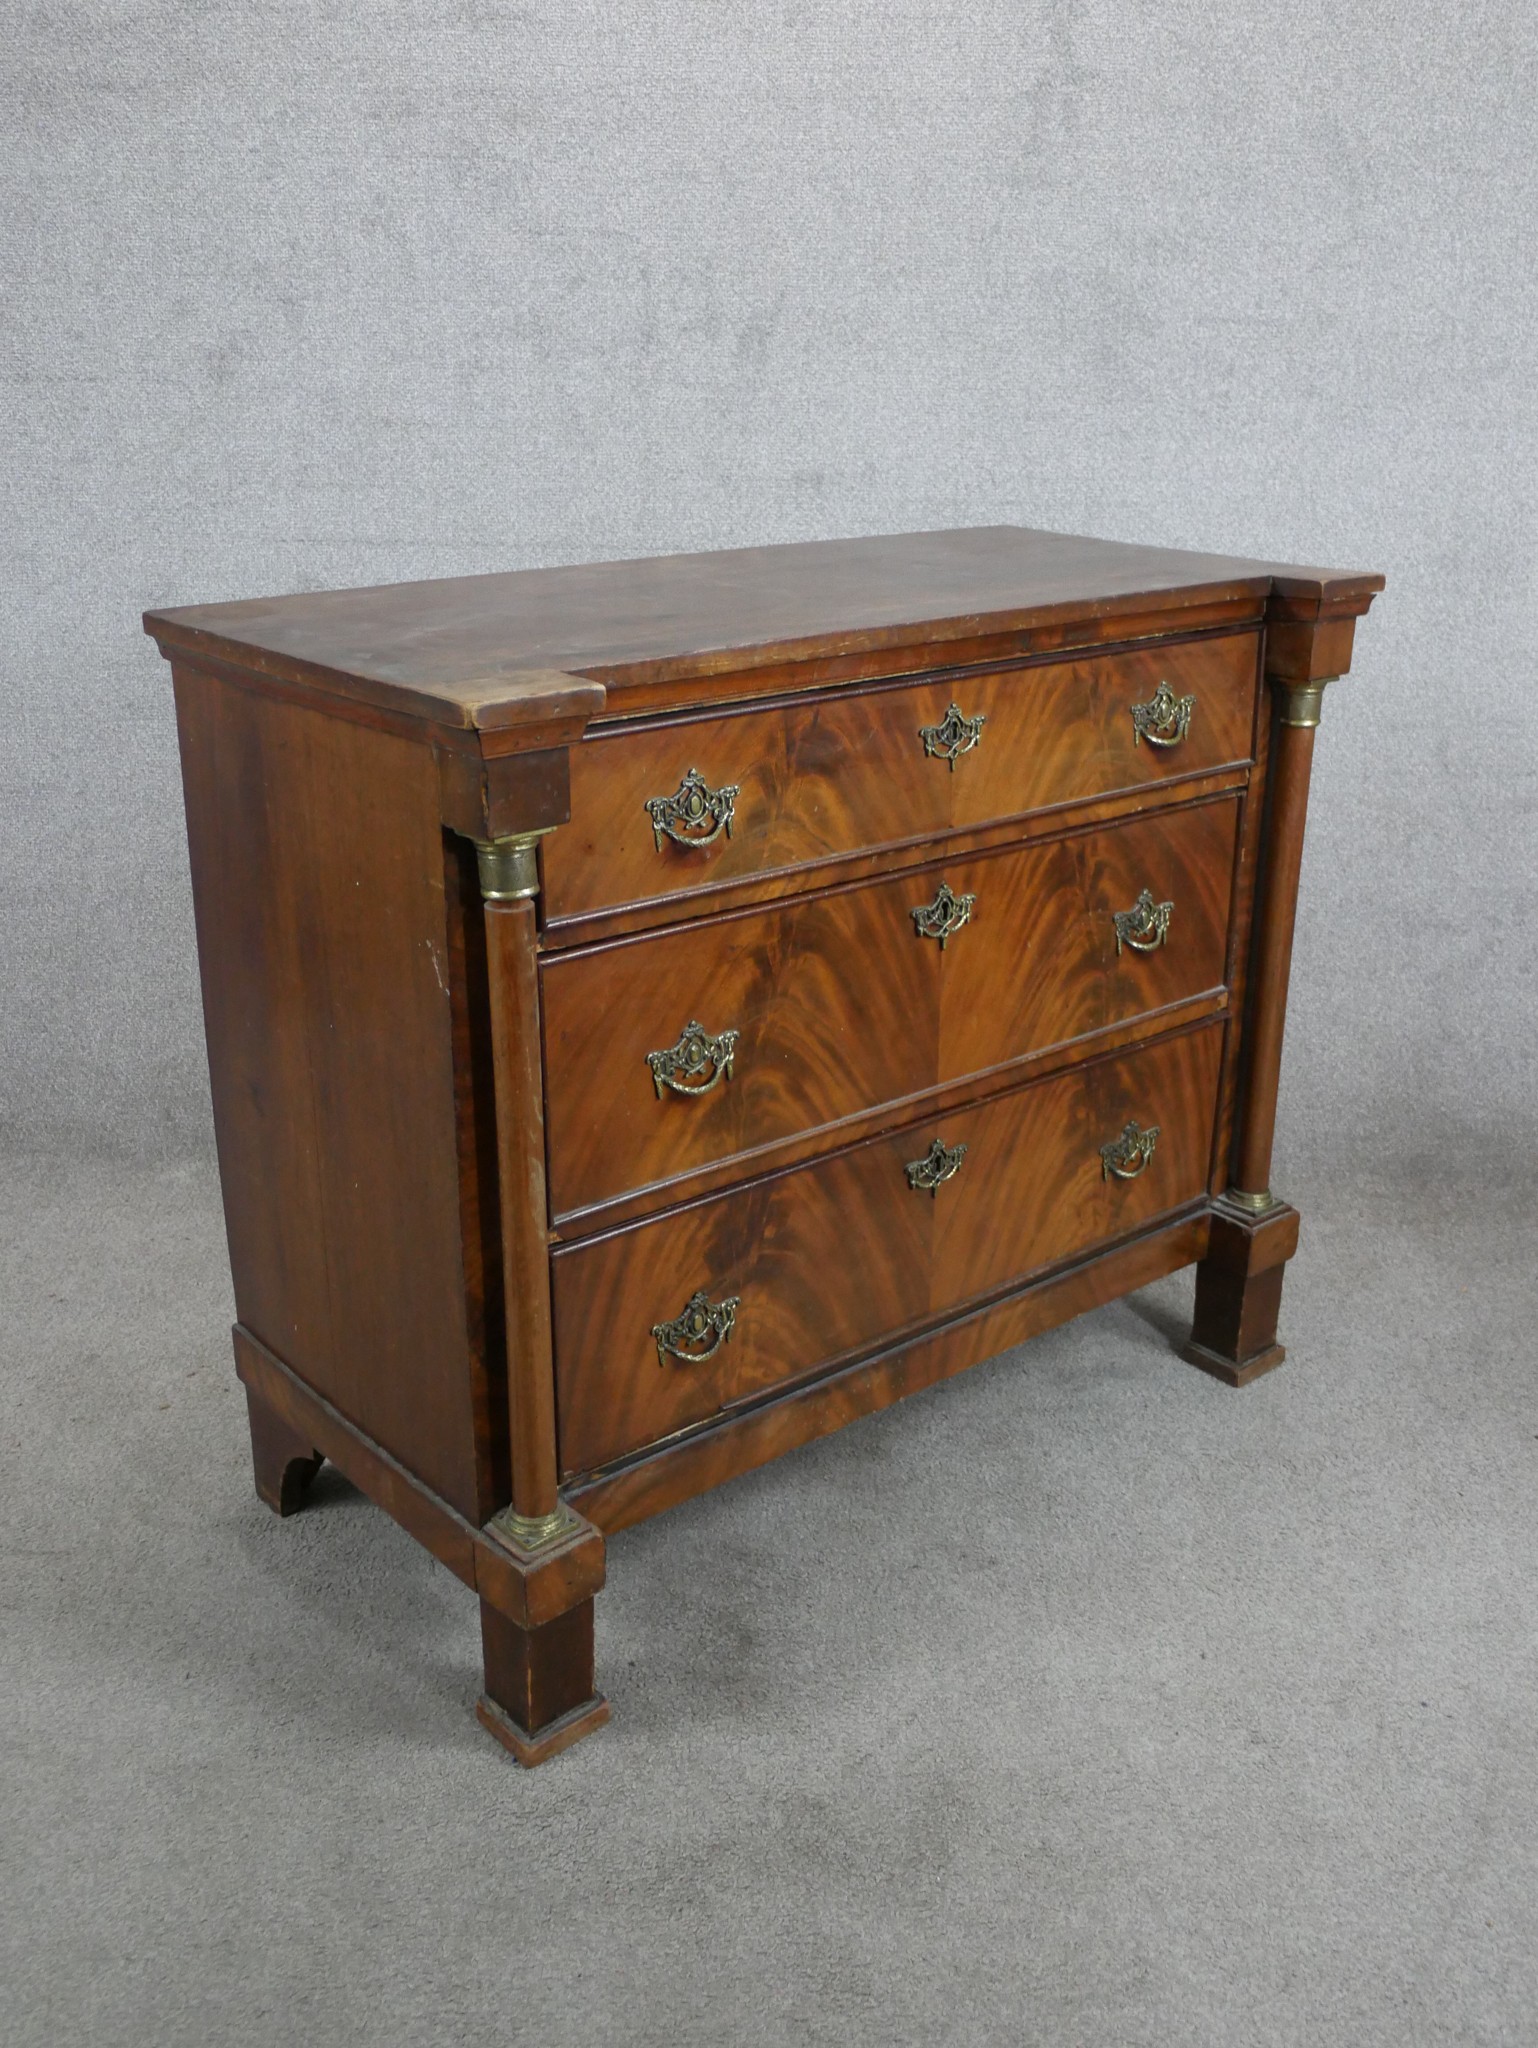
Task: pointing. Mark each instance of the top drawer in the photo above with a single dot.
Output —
(663, 810)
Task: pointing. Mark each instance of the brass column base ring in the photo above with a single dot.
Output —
(532, 1535)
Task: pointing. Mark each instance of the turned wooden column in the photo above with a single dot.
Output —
(509, 873)
(540, 1694)
(1239, 1283)
(1292, 756)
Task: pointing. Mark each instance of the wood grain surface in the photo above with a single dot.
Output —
(830, 775)
(491, 652)
(323, 938)
(833, 1257)
(742, 1438)
(530, 1592)
(408, 1091)
(1292, 753)
(840, 1004)
(513, 988)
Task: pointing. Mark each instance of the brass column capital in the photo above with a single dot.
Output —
(509, 867)
(1301, 702)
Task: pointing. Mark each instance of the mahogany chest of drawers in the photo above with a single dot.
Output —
(659, 1012)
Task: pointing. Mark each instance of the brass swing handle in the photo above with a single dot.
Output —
(1164, 720)
(955, 735)
(696, 1063)
(1144, 927)
(1124, 1158)
(695, 814)
(938, 1165)
(703, 1324)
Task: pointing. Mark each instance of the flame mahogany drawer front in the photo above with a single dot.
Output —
(701, 802)
(843, 1254)
(824, 1005)
(659, 1012)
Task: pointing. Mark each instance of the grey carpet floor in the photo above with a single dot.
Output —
(1079, 1700)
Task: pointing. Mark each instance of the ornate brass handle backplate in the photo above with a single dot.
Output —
(1164, 720)
(1124, 1158)
(1145, 926)
(938, 1165)
(943, 918)
(696, 1063)
(955, 735)
(703, 1325)
(696, 814)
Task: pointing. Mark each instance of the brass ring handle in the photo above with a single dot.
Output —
(1144, 927)
(701, 1323)
(697, 1063)
(1124, 1158)
(938, 1165)
(693, 807)
(1164, 720)
(955, 735)
(943, 918)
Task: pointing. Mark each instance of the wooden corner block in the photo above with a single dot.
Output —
(490, 798)
(1245, 1243)
(535, 1590)
(1298, 652)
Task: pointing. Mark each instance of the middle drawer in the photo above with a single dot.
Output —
(676, 1050)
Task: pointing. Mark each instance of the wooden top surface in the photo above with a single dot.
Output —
(491, 651)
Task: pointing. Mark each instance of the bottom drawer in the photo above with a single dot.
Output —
(829, 1259)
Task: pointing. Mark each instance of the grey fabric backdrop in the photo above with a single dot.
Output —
(296, 297)
(1079, 1700)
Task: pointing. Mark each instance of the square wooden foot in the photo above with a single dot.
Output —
(1233, 1373)
(1239, 1293)
(539, 1696)
(550, 1740)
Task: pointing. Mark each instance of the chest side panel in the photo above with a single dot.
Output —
(325, 944)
